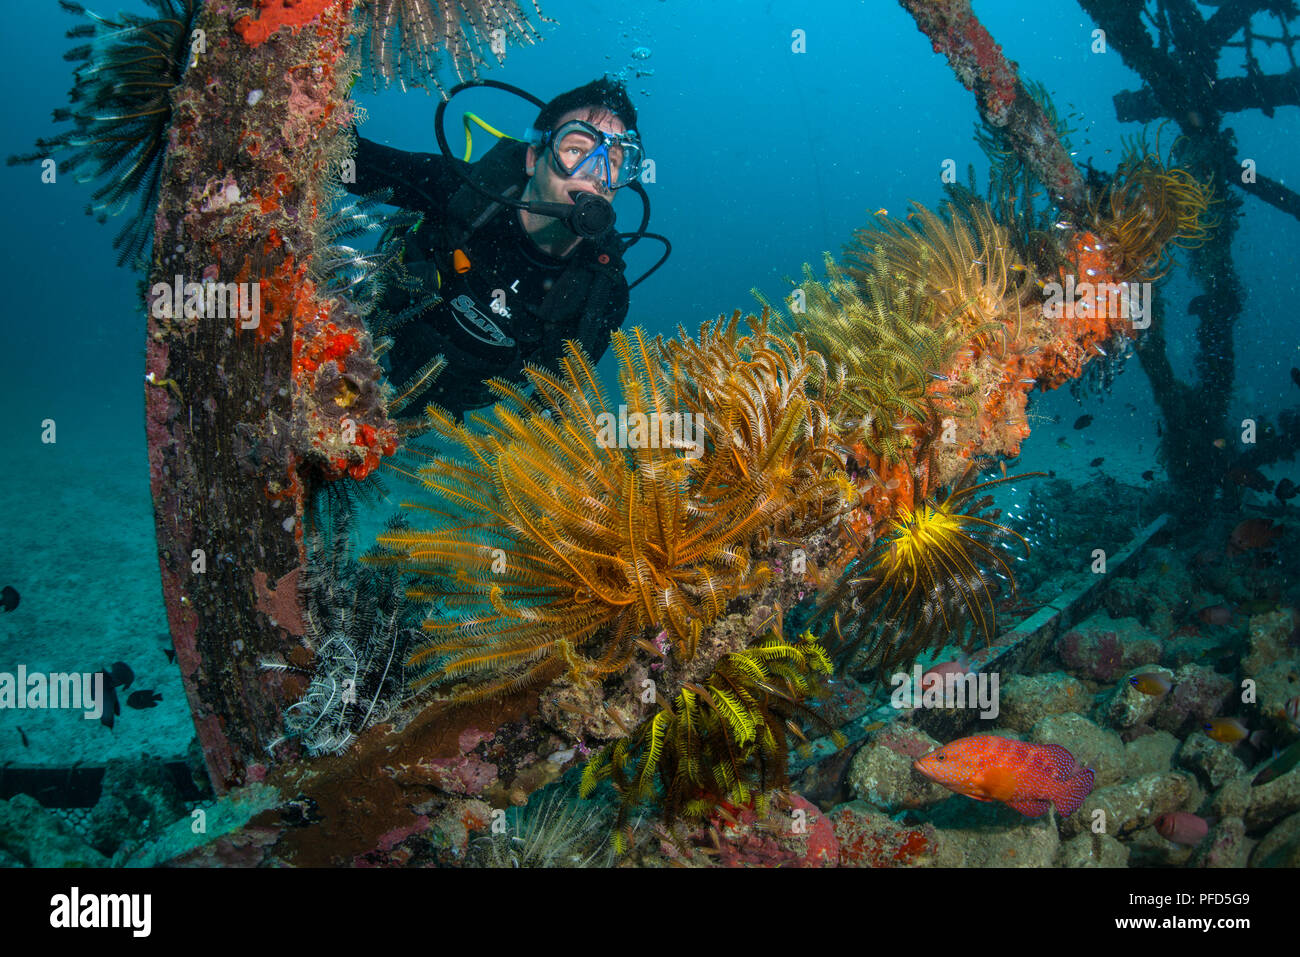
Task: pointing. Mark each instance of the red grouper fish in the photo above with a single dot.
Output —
(1028, 777)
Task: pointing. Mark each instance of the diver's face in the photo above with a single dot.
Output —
(549, 184)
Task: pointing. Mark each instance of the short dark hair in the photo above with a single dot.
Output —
(606, 93)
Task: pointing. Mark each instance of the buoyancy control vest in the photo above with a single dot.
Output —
(504, 301)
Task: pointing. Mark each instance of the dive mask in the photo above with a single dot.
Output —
(580, 150)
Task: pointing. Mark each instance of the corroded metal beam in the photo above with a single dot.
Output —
(1003, 101)
(257, 383)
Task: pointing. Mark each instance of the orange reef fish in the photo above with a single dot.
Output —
(1182, 828)
(959, 666)
(1226, 730)
(1152, 683)
(1253, 533)
(1027, 777)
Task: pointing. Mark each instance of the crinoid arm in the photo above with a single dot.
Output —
(932, 577)
(1148, 210)
(407, 41)
(725, 738)
(121, 111)
(341, 269)
(558, 545)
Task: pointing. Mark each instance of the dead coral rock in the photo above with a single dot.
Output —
(1275, 685)
(1269, 636)
(1148, 848)
(1034, 843)
(1191, 649)
(1150, 754)
(1102, 648)
(1198, 695)
(882, 772)
(1212, 762)
(1126, 706)
(38, 838)
(1225, 846)
(1027, 698)
(1233, 798)
(453, 822)
(1137, 599)
(1161, 622)
(581, 711)
(1092, 747)
(800, 836)
(1136, 804)
(1092, 850)
(1271, 662)
(868, 838)
(1273, 801)
(825, 783)
(1280, 847)
(844, 701)
(137, 800)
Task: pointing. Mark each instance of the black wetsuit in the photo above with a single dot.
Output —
(541, 300)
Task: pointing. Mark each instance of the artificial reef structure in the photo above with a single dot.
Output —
(552, 592)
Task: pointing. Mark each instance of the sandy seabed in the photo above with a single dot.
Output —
(79, 548)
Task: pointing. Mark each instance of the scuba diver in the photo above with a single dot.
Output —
(518, 246)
